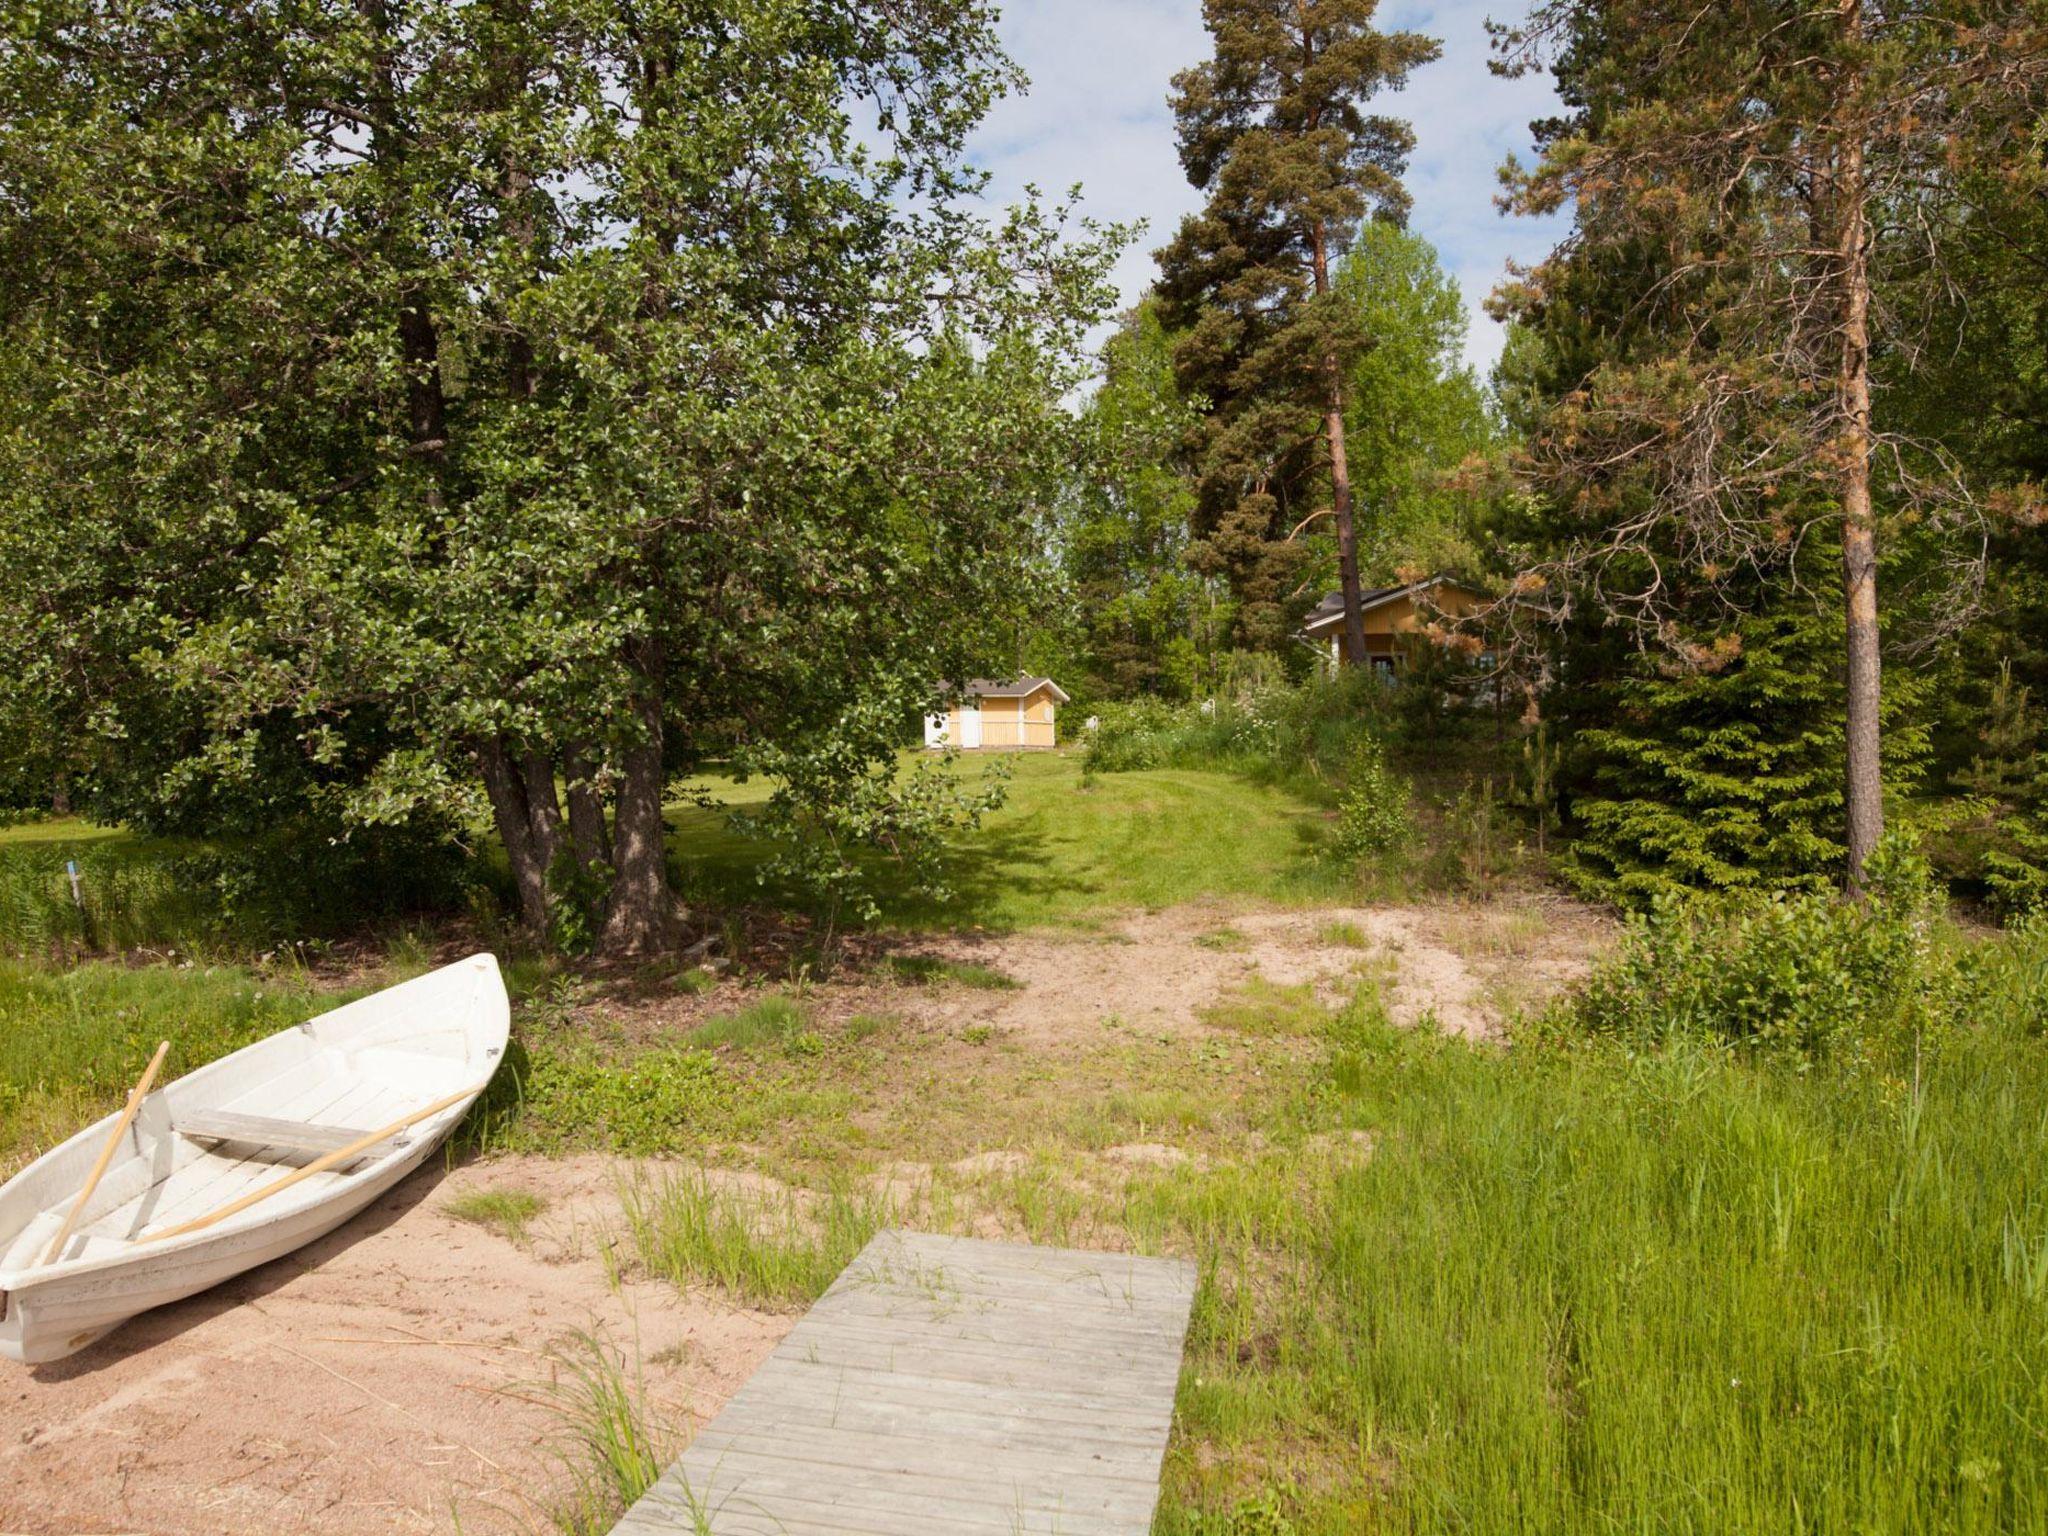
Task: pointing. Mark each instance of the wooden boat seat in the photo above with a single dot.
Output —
(263, 1131)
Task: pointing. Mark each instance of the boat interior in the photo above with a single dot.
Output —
(221, 1132)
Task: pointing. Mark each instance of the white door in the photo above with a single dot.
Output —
(935, 730)
(970, 725)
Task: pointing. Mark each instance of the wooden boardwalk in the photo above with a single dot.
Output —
(948, 1387)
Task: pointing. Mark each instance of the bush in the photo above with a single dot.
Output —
(1372, 812)
(1802, 973)
(1299, 736)
(2010, 978)
(1130, 738)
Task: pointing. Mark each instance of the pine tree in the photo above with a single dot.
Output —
(2003, 767)
(2011, 772)
(1274, 129)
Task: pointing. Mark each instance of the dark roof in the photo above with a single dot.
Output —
(1016, 688)
(1331, 609)
(1332, 605)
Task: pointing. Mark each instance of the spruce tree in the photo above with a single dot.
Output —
(1723, 768)
(1274, 129)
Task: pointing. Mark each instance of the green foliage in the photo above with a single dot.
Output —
(399, 410)
(645, 1104)
(1276, 133)
(1123, 529)
(247, 893)
(72, 1044)
(1534, 787)
(610, 1444)
(2004, 849)
(1066, 847)
(777, 1019)
(839, 814)
(1805, 974)
(576, 903)
(1724, 771)
(507, 1212)
(1372, 811)
(924, 970)
(1302, 735)
(1413, 410)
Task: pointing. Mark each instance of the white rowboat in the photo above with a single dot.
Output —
(231, 1130)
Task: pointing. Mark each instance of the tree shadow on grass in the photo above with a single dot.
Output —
(1006, 864)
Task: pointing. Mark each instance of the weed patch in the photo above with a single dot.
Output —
(608, 1443)
(508, 1212)
(763, 1248)
(926, 970)
(1262, 1007)
(773, 1020)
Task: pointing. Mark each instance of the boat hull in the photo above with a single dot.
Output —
(357, 1058)
(50, 1319)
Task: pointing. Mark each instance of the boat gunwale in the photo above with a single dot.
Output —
(18, 1283)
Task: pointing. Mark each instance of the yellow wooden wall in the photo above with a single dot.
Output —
(1027, 722)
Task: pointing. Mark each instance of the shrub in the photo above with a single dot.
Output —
(1372, 812)
(1300, 736)
(2010, 978)
(1796, 972)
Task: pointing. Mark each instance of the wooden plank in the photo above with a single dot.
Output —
(263, 1131)
(948, 1387)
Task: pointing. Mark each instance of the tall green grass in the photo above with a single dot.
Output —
(1618, 1288)
(609, 1444)
(72, 1043)
(188, 894)
(760, 1247)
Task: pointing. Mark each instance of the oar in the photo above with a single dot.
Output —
(107, 1152)
(340, 1155)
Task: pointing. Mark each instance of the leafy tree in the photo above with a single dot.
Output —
(1774, 167)
(1124, 528)
(414, 404)
(1414, 412)
(1274, 129)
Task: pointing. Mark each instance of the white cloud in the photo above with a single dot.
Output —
(1096, 114)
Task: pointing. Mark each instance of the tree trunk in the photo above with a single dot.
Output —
(641, 918)
(514, 820)
(587, 832)
(1864, 791)
(60, 796)
(1340, 476)
(543, 807)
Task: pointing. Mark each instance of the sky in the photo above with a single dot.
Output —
(1096, 114)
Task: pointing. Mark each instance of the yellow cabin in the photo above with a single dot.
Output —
(989, 714)
(1389, 613)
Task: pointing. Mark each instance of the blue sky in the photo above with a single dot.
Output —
(1096, 114)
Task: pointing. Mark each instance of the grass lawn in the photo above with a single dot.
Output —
(1064, 848)
(60, 832)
